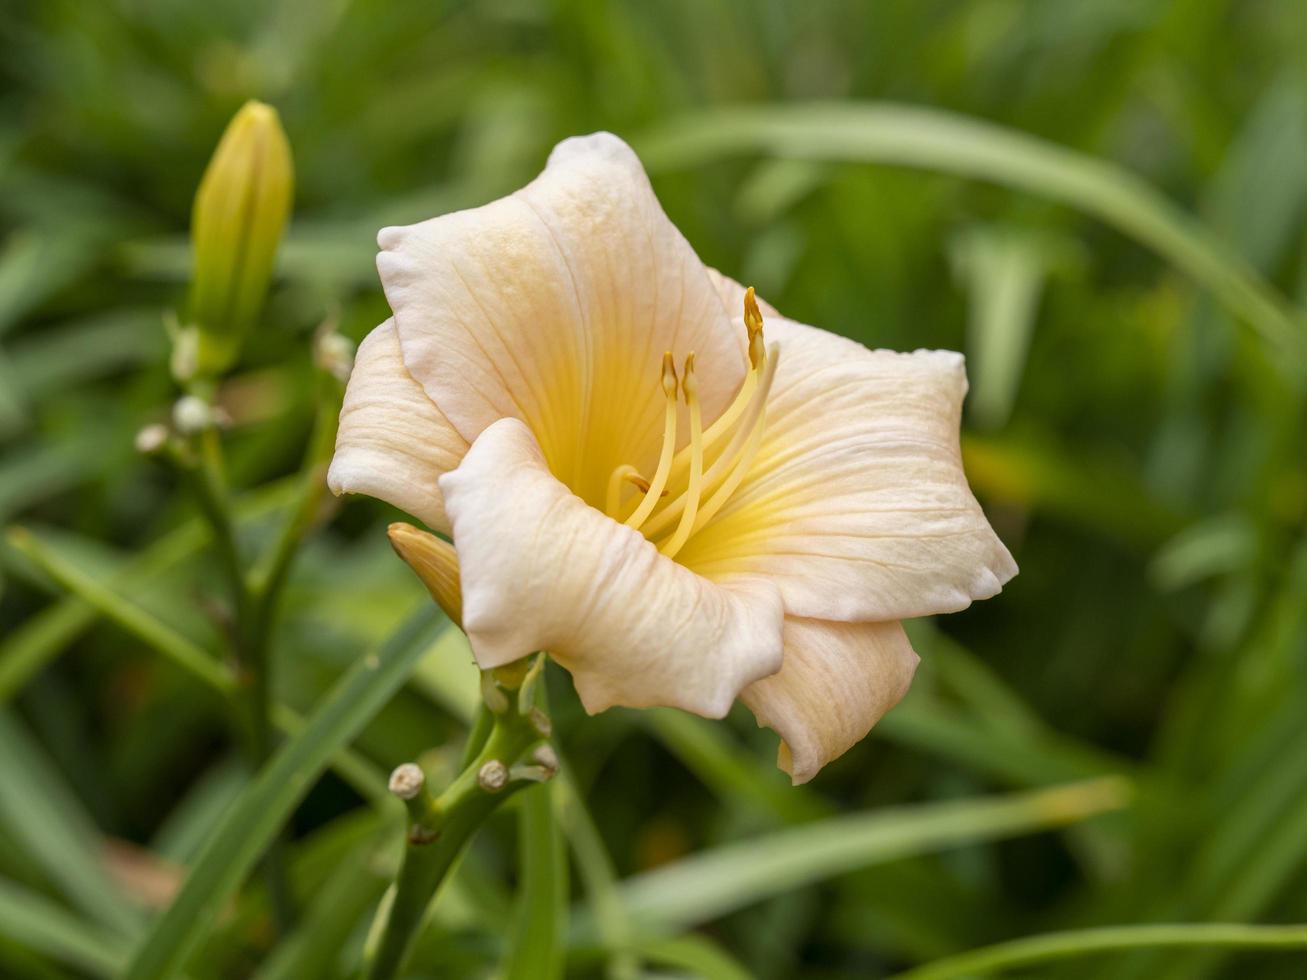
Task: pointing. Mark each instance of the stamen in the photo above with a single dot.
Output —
(689, 385)
(619, 477)
(724, 422)
(663, 519)
(755, 428)
(664, 469)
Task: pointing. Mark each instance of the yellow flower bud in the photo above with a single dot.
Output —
(239, 215)
(436, 564)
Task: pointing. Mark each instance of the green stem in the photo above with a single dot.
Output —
(1063, 945)
(482, 726)
(110, 602)
(270, 573)
(256, 593)
(612, 924)
(440, 827)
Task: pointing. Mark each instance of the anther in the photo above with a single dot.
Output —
(753, 324)
(752, 315)
(669, 375)
(626, 473)
(690, 385)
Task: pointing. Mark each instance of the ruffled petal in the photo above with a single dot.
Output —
(554, 306)
(393, 443)
(856, 504)
(837, 680)
(543, 570)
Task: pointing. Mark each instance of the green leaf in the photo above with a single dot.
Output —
(713, 883)
(253, 821)
(32, 921)
(1004, 270)
(184, 830)
(41, 813)
(612, 925)
(125, 613)
(941, 141)
(535, 950)
(697, 954)
(707, 750)
(39, 640)
(336, 908)
(1030, 950)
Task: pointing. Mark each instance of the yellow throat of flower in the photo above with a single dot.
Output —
(688, 488)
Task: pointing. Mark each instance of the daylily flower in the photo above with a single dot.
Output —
(678, 493)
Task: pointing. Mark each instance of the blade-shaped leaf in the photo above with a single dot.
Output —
(253, 821)
(713, 883)
(935, 140)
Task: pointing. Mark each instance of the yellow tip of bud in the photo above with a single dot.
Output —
(670, 380)
(436, 563)
(689, 383)
(240, 211)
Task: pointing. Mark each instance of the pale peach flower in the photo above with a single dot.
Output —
(681, 495)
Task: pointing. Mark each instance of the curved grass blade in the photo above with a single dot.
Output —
(35, 923)
(1031, 950)
(335, 910)
(698, 955)
(714, 883)
(27, 649)
(40, 813)
(253, 821)
(932, 139)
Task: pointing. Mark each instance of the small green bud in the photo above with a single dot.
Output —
(240, 212)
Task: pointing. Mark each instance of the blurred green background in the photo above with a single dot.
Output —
(1139, 448)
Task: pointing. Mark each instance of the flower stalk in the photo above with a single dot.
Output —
(512, 756)
(194, 448)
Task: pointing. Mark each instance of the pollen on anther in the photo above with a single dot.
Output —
(670, 380)
(752, 315)
(689, 383)
(753, 323)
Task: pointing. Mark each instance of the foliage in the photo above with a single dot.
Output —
(1101, 203)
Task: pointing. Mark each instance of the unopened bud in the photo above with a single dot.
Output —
(192, 415)
(240, 212)
(493, 776)
(151, 439)
(545, 757)
(436, 563)
(407, 781)
(335, 355)
(540, 722)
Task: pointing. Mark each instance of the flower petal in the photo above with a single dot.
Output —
(393, 443)
(857, 505)
(554, 305)
(837, 681)
(541, 569)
